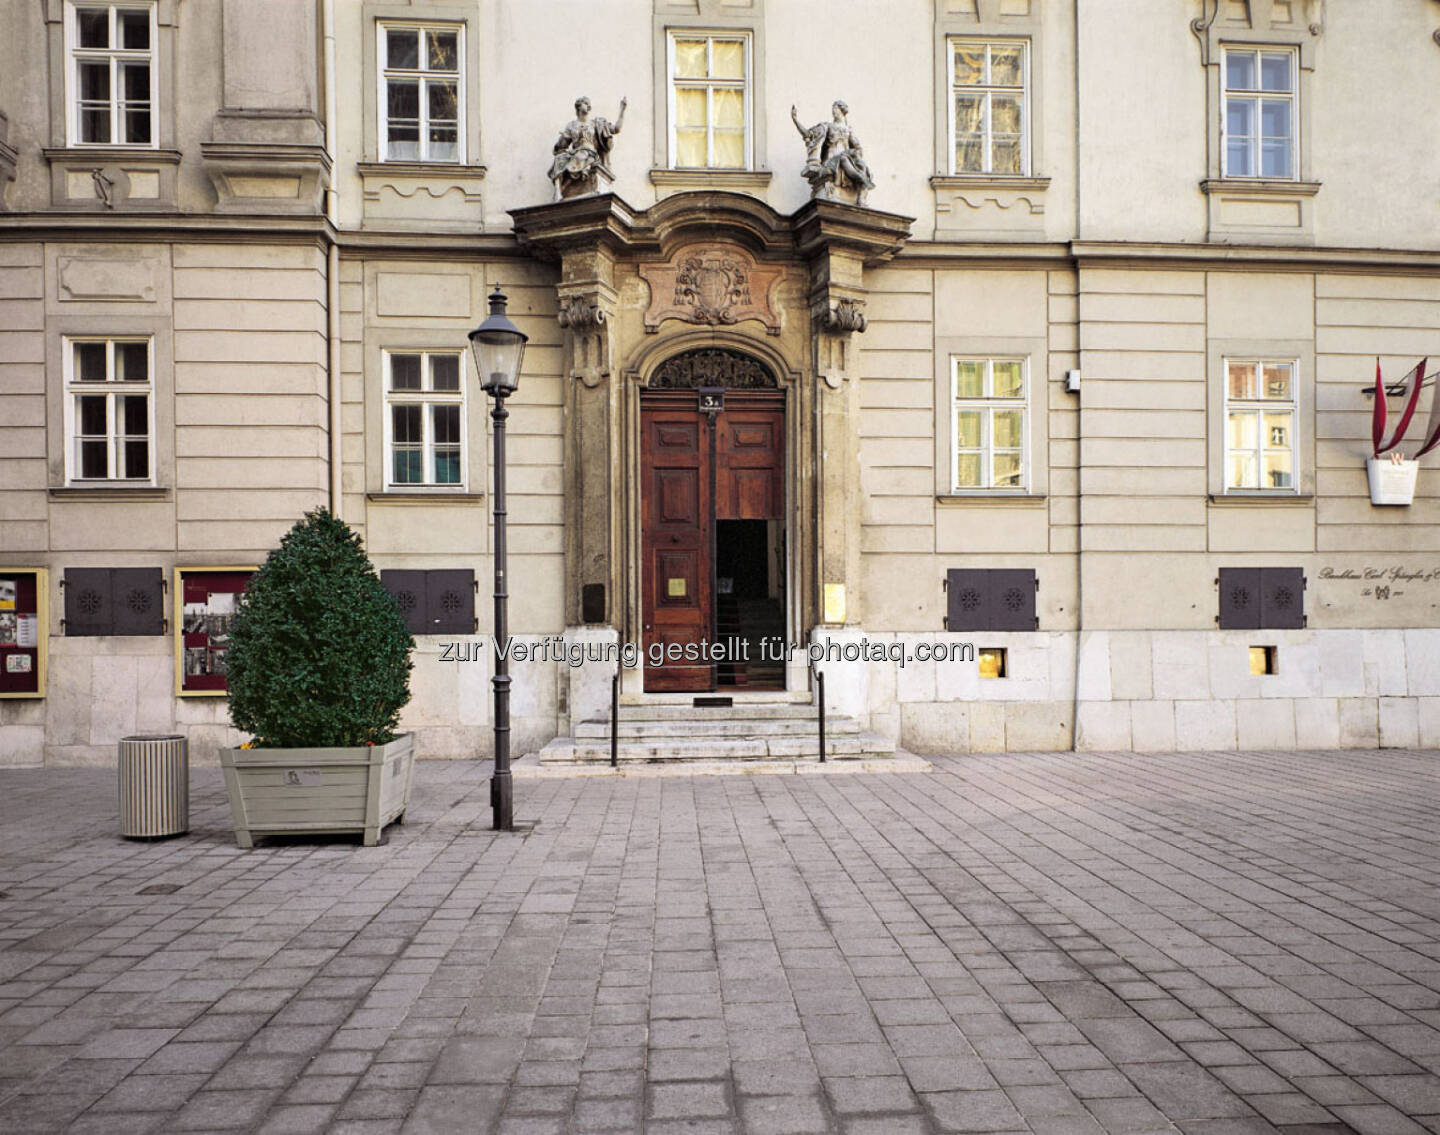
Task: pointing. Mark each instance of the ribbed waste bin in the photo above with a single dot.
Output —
(154, 786)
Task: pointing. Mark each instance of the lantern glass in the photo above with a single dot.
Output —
(498, 346)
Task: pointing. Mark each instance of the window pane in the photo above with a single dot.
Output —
(690, 148)
(135, 82)
(89, 362)
(1005, 114)
(93, 24)
(444, 55)
(967, 471)
(404, 372)
(444, 372)
(95, 125)
(969, 65)
(1278, 471)
(130, 362)
(1240, 70)
(1277, 431)
(403, 99)
(446, 424)
(729, 149)
(1005, 65)
(729, 108)
(92, 458)
(967, 429)
(690, 58)
(409, 467)
(1275, 71)
(137, 126)
(1277, 381)
(134, 29)
(1005, 155)
(969, 114)
(404, 142)
(727, 59)
(970, 153)
(1244, 431)
(95, 82)
(443, 106)
(1240, 117)
(1007, 471)
(1009, 380)
(90, 414)
(1275, 159)
(969, 378)
(405, 425)
(447, 466)
(689, 108)
(443, 146)
(1242, 380)
(1242, 471)
(402, 48)
(133, 414)
(1006, 426)
(1275, 119)
(135, 454)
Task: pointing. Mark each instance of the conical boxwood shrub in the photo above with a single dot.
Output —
(319, 654)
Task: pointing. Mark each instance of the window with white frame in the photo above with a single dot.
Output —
(421, 93)
(424, 419)
(1260, 415)
(110, 76)
(989, 107)
(989, 414)
(109, 410)
(710, 100)
(1260, 106)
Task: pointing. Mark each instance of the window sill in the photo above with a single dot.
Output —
(989, 181)
(1257, 496)
(424, 496)
(669, 181)
(999, 498)
(1272, 186)
(974, 206)
(97, 492)
(88, 151)
(410, 168)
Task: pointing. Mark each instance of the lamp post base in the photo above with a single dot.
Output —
(502, 801)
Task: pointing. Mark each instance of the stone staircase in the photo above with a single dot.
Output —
(674, 731)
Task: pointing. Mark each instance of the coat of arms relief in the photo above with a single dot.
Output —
(711, 284)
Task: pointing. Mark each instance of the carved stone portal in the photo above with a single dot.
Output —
(713, 285)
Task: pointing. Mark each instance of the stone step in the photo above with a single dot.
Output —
(860, 746)
(749, 727)
(741, 711)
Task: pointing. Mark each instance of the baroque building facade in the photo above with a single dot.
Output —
(1080, 383)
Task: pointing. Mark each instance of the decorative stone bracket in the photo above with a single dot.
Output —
(587, 315)
(1266, 18)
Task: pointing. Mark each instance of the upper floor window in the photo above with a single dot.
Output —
(421, 93)
(1260, 416)
(989, 107)
(424, 418)
(110, 76)
(710, 100)
(109, 410)
(989, 412)
(1259, 122)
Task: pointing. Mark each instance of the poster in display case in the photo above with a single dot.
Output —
(205, 602)
(24, 623)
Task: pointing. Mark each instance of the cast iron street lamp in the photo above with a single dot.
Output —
(498, 346)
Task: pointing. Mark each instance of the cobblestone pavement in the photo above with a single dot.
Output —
(1209, 943)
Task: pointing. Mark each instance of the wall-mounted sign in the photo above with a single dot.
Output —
(205, 605)
(24, 615)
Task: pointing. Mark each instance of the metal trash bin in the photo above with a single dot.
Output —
(154, 786)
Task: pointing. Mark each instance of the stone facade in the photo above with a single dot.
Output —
(274, 250)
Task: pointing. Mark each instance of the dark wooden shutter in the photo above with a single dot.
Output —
(138, 601)
(1240, 602)
(451, 601)
(88, 609)
(1282, 598)
(990, 599)
(408, 587)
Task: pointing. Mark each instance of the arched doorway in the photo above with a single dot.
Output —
(712, 535)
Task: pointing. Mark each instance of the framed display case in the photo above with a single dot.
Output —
(205, 599)
(24, 631)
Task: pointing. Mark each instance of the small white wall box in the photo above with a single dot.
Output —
(1072, 382)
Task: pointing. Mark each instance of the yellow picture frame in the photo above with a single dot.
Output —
(177, 622)
(42, 619)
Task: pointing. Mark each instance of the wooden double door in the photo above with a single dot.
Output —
(701, 469)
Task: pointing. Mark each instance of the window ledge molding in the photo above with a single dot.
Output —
(422, 195)
(989, 181)
(422, 496)
(668, 181)
(1256, 208)
(1267, 499)
(435, 171)
(1268, 186)
(973, 206)
(138, 178)
(82, 153)
(109, 492)
(991, 498)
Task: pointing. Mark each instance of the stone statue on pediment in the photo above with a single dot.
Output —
(582, 152)
(834, 158)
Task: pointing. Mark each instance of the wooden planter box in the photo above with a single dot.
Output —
(300, 791)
